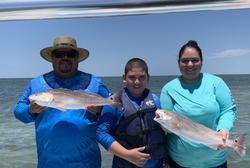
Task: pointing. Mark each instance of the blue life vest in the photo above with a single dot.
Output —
(137, 129)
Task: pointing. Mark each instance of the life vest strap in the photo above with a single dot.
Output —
(152, 146)
(139, 135)
(138, 113)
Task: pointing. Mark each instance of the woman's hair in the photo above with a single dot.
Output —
(190, 44)
(136, 63)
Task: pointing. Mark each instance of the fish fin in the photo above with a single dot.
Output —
(59, 102)
(239, 145)
(62, 109)
(175, 125)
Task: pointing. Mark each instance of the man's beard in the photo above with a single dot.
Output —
(65, 66)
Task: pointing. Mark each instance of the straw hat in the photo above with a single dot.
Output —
(64, 42)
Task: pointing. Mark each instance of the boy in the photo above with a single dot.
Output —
(131, 134)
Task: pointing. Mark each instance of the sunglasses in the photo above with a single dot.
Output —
(61, 54)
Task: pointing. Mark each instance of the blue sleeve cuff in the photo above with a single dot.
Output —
(32, 116)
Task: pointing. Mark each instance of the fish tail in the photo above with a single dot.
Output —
(117, 105)
(116, 99)
(239, 145)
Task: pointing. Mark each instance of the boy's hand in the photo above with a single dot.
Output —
(136, 156)
(164, 165)
(94, 108)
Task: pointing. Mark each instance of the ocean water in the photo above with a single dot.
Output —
(17, 140)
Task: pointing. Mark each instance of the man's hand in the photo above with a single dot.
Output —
(35, 108)
(94, 108)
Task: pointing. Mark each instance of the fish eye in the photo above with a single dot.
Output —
(235, 141)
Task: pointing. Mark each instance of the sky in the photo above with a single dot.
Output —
(222, 35)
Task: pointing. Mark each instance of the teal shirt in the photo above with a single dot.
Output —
(209, 102)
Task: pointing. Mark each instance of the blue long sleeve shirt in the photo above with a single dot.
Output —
(208, 102)
(64, 139)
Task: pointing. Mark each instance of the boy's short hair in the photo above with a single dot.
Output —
(136, 63)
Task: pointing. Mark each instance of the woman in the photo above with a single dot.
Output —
(204, 98)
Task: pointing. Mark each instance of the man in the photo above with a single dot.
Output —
(64, 139)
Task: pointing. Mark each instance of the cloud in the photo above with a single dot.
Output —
(230, 53)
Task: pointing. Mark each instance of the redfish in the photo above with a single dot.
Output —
(64, 99)
(195, 132)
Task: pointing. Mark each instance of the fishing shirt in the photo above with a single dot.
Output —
(208, 102)
(109, 121)
(64, 139)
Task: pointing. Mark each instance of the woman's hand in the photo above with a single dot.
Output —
(225, 135)
(164, 128)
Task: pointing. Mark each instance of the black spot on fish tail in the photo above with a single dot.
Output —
(116, 98)
(239, 145)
